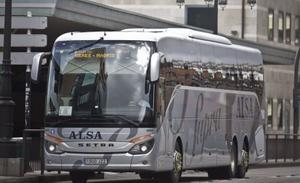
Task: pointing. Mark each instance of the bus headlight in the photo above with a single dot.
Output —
(52, 148)
(143, 147)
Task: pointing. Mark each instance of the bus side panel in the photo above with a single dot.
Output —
(187, 122)
(194, 118)
(207, 120)
(229, 78)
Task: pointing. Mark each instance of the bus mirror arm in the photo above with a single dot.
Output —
(36, 65)
(154, 66)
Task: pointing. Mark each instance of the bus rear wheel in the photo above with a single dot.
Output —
(228, 171)
(243, 167)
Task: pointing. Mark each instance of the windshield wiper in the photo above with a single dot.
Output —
(123, 118)
(92, 120)
(87, 45)
(77, 120)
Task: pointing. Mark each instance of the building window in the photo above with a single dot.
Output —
(270, 113)
(280, 26)
(297, 30)
(271, 25)
(288, 24)
(205, 18)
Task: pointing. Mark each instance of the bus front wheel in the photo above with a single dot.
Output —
(243, 167)
(174, 175)
(232, 169)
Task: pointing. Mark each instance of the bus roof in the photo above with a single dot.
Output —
(154, 35)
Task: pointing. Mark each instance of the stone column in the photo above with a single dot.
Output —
(291, 116)
(266, 115)
(284, 116)
(275, 114)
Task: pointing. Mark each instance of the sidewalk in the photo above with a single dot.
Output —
(36, 177)
(32, 177)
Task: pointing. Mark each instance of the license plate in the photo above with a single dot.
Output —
(95, 161)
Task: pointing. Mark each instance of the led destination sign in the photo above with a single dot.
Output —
(93, 54)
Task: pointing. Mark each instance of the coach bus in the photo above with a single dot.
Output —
(152, 101)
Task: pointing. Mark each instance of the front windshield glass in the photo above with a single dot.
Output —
(105, 79)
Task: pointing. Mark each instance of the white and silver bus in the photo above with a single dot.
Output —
(152, 101)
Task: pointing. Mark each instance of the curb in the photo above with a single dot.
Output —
(35, 178)
(275, 165)
(53, 178)
(19, 180)
(47, 178)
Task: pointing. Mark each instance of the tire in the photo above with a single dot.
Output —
(174, 175)
(232, 170)
(243, 167)
(226, 172)
(79, 177)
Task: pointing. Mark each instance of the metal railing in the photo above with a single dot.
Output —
(26, 134)
(282, 146)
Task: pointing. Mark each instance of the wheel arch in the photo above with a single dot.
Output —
(179, 141)
(246, 143)
(240, 145)
(235, 141)
(180, 144)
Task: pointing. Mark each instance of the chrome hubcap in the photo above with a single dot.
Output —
(245, 159)
(233, 162)
(232, 166)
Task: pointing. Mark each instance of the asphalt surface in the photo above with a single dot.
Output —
(260, 175)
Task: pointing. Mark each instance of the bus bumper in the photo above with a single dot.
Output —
(122, 162)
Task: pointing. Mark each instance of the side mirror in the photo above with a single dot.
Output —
(36, 65)
(154, 66)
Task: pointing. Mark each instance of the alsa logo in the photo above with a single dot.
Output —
(85, 135)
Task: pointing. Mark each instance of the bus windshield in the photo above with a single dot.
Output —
(105, 81)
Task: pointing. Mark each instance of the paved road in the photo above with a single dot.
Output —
(261, 175)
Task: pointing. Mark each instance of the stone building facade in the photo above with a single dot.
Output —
(272, 22)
